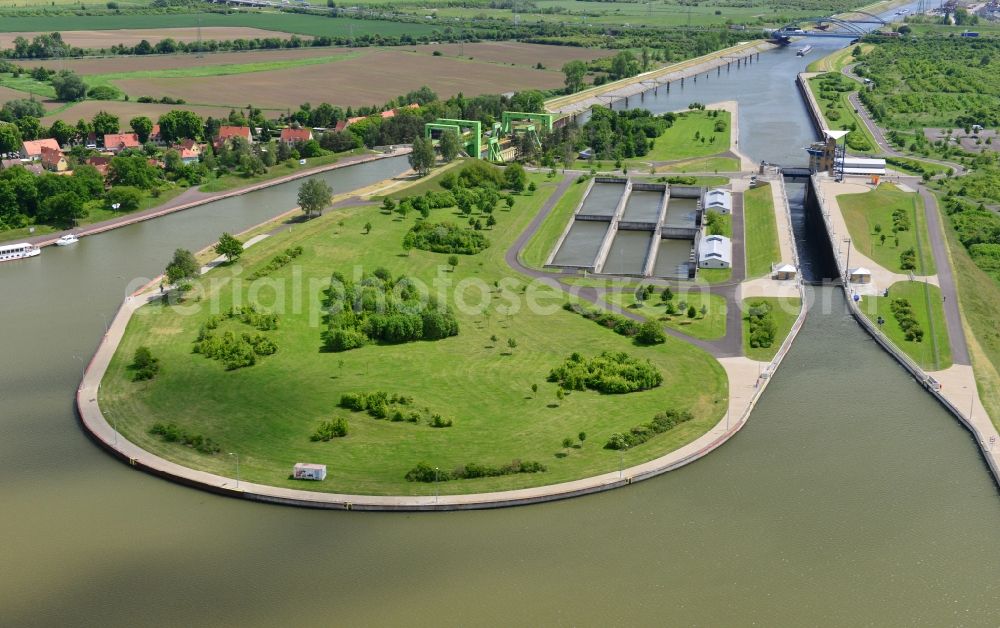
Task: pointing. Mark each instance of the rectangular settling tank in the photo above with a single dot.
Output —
(602, 199)
(628, 253)
(672, 258)
(681, 212)
(643, 206)
(579, 248)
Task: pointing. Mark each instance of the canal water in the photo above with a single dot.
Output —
(851, 498)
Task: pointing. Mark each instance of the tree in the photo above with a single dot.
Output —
(491, 221)
(453, 262)
(182, 266)
(514, 177)
(574, 71)
(30, 127)
(179, 124)
(63, 210)
(856, 52)
(142, 126)
(534, 389)
(105, 123)
(61, 132)
(422, 155)
(133, 170)
(449, 146)
(10, 138)
(692, 312)
(314, 196)
(21, 107)
(582, 436)
(560, 395)
(623, 65)
(667, 294)
(126, 197)
(532, 187)
(512, 344)
(368, 228)
(69, 86)
(703, 310)
(144, 365)
(388, 205)
(230, 247)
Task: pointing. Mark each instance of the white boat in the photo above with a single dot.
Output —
(67, 239)
(11, 252)
(803, 51)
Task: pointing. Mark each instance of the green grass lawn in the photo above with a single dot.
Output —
(863, 211)
(540, 246)
(979, 297)
(707, 164)
(785, 310)
(761, 231)
(231, 180)
(714, 275)
(267, 412)
(934, 352)
(692, 135)
(708, 326)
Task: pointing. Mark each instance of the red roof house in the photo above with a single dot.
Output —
(229, 132)
(294, 136)
(116, 142)
(53, 159)
(32, 149)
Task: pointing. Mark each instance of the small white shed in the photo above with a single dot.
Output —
(785, 271)
(859, 275)
(308, 471)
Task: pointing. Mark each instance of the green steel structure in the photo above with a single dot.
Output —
(470, 133)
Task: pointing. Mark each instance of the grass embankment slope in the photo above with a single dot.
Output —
(862, 212)
(708, 326)
(784, 310)
(933, 353)
(838, 112)
(267, 412)
(761, 230)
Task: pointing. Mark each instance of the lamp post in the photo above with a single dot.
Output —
(237, 468)
(847, 265)
(115, 206)
(437, 476)
(621, 463)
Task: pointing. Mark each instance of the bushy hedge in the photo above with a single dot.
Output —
(619, 324)
(608, 372)
(445, 237)
(328, 430)
(396, 408)
(253, 317)
(382, 309)
(234, 351)
(424, 472)
(662, 422)
(762, 327)
(903, 313)
(277, 262)
(171, 433)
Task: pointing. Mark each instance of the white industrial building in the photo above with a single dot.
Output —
(719, 200)
(307, 471)
(863, 166)
(715, 251)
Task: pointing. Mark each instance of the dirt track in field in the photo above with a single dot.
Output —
(132, 36)
(370, 79)
(514, 53)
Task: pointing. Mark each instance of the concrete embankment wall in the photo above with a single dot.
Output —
(815, 113)
(922, 377)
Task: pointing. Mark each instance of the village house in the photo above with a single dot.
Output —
(290, 136)
(54, 160)
(117, 142)
(154, 135)
(100, 164)
(31, 166)
(32, 149)
(228, 132)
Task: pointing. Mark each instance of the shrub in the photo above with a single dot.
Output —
(445, 237)
(650, 333)
(171, 433)
(144, 365)
(104, 92)
(662, 422)
(608, 373)
(424, 472)
(327, 430)
(277, 262)
(761, 322)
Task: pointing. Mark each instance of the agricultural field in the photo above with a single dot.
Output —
(348, 82)
(514, 53)
(268, 411)
(98, 39)
(872, 214)
(128, 110)
(269, 21)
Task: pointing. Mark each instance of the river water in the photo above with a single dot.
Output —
(851, 498)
